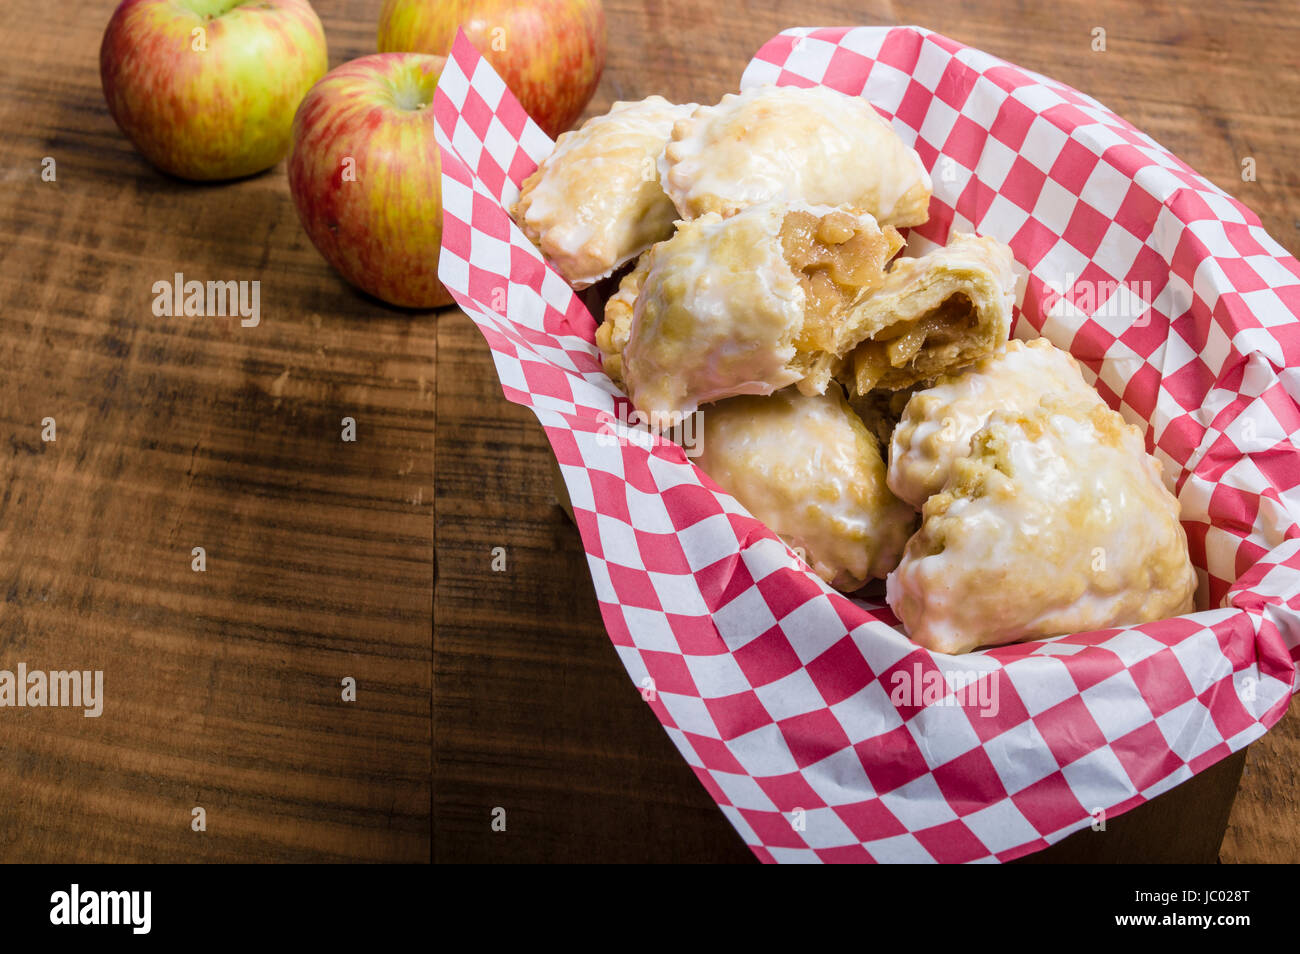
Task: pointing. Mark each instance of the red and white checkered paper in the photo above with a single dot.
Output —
(775, 688)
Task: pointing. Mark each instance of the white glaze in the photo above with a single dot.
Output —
(1056, 522)
(717, 312)
(814, 145)
(595, 202)
(808, 468)
(938, 422)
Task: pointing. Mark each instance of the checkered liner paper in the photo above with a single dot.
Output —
(775, 688)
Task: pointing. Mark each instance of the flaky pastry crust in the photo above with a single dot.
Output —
(938, 423)
(1056, 522)
(809, 469)
(743, 305)
(933, 314)
(813, 145)
(595, 202)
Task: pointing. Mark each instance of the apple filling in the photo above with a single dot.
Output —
(837, 259)
(895, 357)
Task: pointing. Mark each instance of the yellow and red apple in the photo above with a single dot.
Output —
(550, 53)
(366, 178)
(207, 89)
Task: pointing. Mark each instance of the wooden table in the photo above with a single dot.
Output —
(477, 689)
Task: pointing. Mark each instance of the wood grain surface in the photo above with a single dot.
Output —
(478, 688)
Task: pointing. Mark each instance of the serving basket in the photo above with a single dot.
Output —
(821, 731)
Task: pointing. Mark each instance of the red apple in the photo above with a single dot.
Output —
(549, 52)
(206, 89)
(366, 177)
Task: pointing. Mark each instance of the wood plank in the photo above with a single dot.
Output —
(223, 687)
